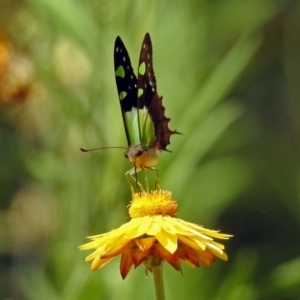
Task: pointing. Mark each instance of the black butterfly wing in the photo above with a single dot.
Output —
(127, 91)
(153, 124)
(146, 89)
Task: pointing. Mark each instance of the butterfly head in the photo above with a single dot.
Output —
(133, 152)
(142, 158)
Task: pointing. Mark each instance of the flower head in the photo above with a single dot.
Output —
(154, 235)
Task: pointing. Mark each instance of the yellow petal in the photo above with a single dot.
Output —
(144, 225)
(181, 228)
(154, 229)
(96, 253)
(116, 248)
(98, 263)
(216, 234)
(168, 241)
(217, 252)
(165, 224)
(212, 233)
(192, 242)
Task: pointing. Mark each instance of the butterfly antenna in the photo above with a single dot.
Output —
(88, 150)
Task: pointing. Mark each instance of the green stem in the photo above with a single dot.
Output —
(157, 270)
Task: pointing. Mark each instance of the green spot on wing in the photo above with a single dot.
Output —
(140, 92)
(142, 68)
(131, 121)
(122, 95)
(146, 126)
(120, 72)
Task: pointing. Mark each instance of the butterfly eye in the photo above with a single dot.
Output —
(126, 154)
(138, 153)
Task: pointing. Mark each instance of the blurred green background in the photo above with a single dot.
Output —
(229, 74)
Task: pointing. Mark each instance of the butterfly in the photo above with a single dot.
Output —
(145, 123)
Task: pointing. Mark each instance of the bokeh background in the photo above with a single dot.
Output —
(229, 74)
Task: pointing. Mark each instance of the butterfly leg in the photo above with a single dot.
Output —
(157, 185)
(128, 178)
(132, 175)
(146, 180)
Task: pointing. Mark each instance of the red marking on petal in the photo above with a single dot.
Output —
(145, 243)
(138, 256)
(126, 263)
(169, 257)
(187, 253)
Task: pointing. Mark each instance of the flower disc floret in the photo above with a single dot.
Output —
(158, 202)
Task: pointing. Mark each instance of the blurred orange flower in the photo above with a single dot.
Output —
(17, 82)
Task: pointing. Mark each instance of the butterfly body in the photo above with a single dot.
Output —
(145, 123)
(142, 158)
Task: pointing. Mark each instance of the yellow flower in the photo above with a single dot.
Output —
(154, 235)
